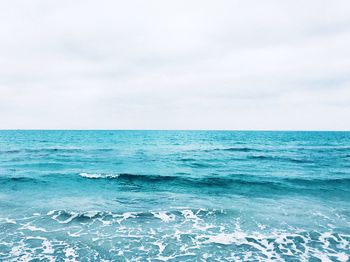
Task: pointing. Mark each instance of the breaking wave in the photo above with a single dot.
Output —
(182, 234)
(217, 180)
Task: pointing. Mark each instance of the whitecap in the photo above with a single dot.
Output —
(97, 175)
(87, 175)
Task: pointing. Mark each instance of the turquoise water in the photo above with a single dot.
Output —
(174, 195)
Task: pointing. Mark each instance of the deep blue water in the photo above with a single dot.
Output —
(174, 195)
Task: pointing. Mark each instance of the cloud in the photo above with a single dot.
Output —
(175, 64)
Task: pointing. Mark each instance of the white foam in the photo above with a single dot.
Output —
(342, 257)
(76, 234)
(67, 220)
(261, 226)
(194, 232)
(96, 175)
(152, 232)
(126, 216)
(142, 248)
(343, 243)
(189, 215)
(91, 214)
(164, 216)
(10, 221)
(47, 247)
(33, 228)
(87, 175)
(50, 213)
(71, 254)
(161, 246)
(16, 251)
(225, 239)
(322, 256)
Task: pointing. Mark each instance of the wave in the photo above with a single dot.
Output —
(198, 164)
(54, 150)
(183, 230)
(181, 180)
(210, 162)
(278, 158)
(317, 181)
(51, 150)
(41, 150)
(128, 176)
(97, 176)
(235, 149)
(283, 148)
(331, 148)
(30, 180)
(66, 216)
(14, 151)
(237, 181)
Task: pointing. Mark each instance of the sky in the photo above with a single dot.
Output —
(160, 64)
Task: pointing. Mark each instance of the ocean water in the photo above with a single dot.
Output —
(174, 196)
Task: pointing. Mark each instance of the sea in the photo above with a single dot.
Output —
(174, 196)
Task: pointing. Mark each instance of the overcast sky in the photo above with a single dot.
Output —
(175, 64)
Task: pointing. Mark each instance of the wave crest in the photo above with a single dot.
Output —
(236, 180)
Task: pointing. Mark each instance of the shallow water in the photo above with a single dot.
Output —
(174, 195)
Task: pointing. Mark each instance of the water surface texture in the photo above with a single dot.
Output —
(174, 195)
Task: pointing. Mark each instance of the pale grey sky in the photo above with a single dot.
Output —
(175, 64)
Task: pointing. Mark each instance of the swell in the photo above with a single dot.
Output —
(238, 181)
(333, 181)
(223, 182)
(204, 163)
(20, 180)
(14, 151)
(279, 158)
(235, 149)
(55, 150)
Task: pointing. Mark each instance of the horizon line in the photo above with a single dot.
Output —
(182, 130)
